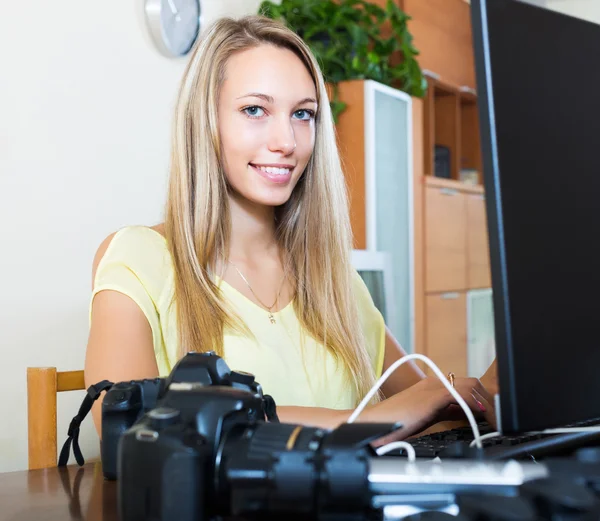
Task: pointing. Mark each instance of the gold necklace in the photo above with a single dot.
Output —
(269, 308)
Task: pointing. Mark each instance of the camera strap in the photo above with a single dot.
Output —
(93, 392)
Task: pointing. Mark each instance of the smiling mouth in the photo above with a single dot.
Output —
(273, 170)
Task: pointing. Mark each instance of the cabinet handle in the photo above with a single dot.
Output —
(449, 296)
(448, 191)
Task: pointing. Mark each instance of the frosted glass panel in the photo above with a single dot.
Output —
(480, 331)
(393, 209)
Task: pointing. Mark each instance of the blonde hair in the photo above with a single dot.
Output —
(313, 228)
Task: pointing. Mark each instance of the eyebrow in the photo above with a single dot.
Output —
(269, 99)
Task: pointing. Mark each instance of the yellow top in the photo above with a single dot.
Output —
(138, 264)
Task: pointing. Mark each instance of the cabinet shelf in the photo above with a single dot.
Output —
(451, 131)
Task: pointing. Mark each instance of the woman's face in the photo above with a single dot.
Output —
(266, 123)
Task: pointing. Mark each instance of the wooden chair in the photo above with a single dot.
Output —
(42, 385)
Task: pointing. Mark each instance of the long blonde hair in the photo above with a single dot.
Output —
(313, 227)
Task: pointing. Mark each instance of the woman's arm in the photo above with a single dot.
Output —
(418, 407)
(119, 346)
(405, 376)
(120, 343)
(313, 416)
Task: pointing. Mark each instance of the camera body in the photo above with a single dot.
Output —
(166, 459)
(126, 402)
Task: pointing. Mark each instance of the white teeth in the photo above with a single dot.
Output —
(274, 170)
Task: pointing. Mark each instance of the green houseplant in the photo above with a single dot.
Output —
(345, 36)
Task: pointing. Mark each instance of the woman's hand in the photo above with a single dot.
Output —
(429, 402)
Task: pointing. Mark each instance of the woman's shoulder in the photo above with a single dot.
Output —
(139, 237)
(141, 249)
(359, 286)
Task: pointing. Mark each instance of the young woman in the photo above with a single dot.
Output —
(253, 259)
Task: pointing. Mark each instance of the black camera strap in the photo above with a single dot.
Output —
(93, 392)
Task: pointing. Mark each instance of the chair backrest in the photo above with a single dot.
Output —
(42, 385)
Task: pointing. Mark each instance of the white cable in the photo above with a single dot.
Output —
(442, 379)
(410, 450)
(485, 437)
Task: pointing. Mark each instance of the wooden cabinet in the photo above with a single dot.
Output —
(457, 267)
(448, 250)
(446, 331)
(478, 254)
(374, 137)
(456, 239)
(352, 147)
(448, 246)
(445, 239)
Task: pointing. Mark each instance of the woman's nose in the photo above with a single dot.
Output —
(282, 138)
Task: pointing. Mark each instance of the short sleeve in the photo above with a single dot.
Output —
(130, 266)
(372, 324)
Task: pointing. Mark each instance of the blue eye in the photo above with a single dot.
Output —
(304, 114)
(254, 111)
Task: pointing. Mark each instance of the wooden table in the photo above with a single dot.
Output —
(58, 494)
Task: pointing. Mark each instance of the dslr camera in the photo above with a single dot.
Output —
(126, 402)
(207, 453)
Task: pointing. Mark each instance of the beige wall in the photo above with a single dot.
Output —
(85, 108)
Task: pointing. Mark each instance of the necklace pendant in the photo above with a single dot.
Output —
(271, 318)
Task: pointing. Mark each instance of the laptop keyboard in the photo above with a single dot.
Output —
(431, 445)
(455, 443)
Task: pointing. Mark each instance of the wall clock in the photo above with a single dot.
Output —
(174, 25)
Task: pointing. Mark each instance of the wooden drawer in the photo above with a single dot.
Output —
(445, 240)
(478, 254)
(446, 332)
